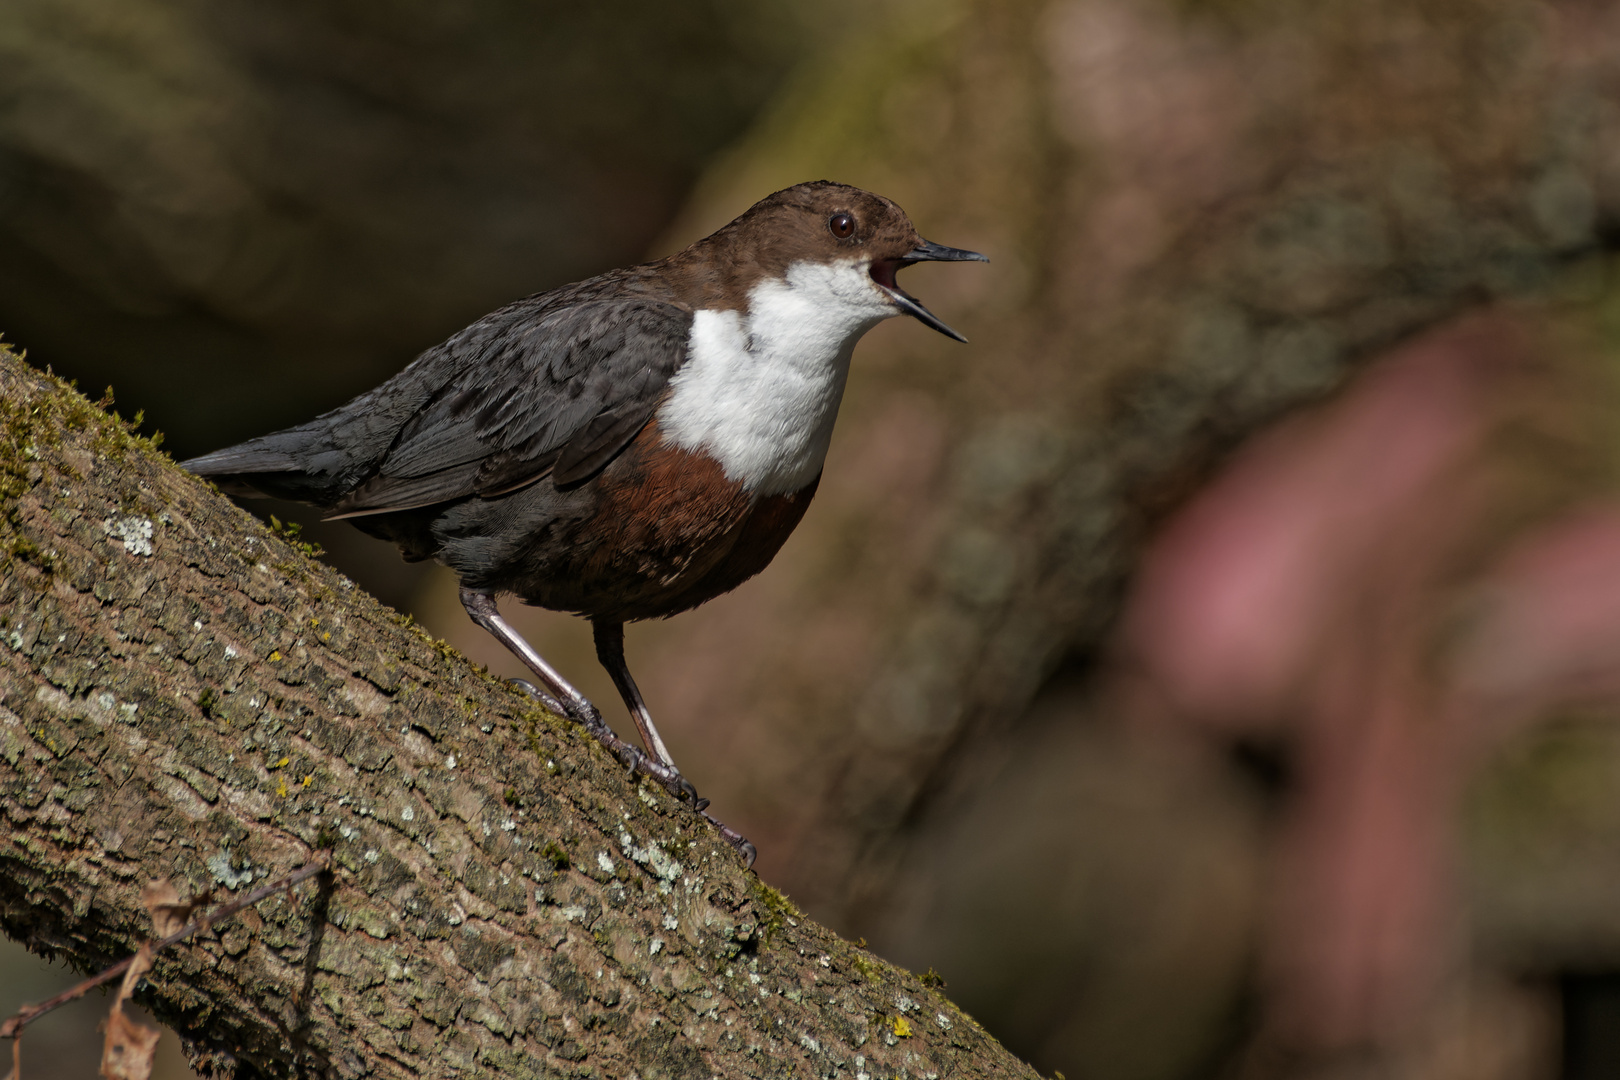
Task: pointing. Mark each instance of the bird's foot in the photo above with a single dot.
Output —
(630, 756)
(637, 760)
(731, 836)
(680, 787)
(551, 704)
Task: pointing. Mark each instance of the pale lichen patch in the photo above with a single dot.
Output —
(653, 857)
(133, 531)
(227, 875)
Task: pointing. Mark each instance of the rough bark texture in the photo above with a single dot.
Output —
(186, 695)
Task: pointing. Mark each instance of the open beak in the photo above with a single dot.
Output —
(928, 251)
(925, 251)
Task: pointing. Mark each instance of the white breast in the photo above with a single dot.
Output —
(761, 390)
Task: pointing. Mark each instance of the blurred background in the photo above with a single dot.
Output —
(1209, 671)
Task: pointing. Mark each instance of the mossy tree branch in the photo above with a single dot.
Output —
(185, 694)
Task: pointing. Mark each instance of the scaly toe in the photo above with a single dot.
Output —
(736, 839)
(550, 703)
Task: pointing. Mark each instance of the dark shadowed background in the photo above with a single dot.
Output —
(1209, 671)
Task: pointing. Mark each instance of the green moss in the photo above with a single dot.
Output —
(777, 908)
(290, 531)
(554, 854)
(70, 411)
(531, 728)
(19, 547)
(32, 426)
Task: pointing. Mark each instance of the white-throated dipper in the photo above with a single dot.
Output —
(626, 447)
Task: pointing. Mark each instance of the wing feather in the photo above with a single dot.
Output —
(565, 377)
(574, 387)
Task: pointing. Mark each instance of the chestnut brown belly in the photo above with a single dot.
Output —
(657, 532)
(753, 544)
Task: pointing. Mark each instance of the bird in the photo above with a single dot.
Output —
(623, 448)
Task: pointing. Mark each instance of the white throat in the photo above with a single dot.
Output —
(760, 390)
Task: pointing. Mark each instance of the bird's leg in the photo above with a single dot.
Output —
(482, 610)
(575, 705)
(610, 651)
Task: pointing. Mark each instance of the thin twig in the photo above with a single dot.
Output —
(28, 1014)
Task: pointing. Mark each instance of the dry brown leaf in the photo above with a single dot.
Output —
(168, 912)
(16, 1058)
(127, 1052)
(138, 967)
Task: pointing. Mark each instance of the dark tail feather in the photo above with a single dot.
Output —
(292, 464)
(247, 457)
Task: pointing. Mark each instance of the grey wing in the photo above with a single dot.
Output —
(535, 389)
(561, 396)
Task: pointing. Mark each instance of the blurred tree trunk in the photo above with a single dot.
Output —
(1200, 215)
(185, 695)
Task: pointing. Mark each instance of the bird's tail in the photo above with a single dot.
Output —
(301, 463)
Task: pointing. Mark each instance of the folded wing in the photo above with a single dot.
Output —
(526, 392)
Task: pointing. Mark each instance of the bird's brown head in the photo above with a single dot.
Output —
(823, 223)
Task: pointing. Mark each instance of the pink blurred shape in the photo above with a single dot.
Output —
(1548, 625)
(1305, 593)
(1252, 581)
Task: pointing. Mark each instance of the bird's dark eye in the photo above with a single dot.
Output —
(842, 224)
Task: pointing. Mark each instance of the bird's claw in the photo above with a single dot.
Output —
(637, 760)
(682, 789)
(736, 839)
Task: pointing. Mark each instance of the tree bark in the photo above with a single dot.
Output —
(186, 695)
